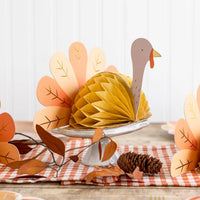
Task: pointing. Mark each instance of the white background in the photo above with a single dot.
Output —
(31, 31)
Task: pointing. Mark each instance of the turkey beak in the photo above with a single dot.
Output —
(152, 55)
(156, 54)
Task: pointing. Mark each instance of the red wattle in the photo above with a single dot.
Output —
(151, 59)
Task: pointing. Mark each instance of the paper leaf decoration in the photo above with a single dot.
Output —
(74, 158)
(32, 167)
(184, 138)
(100, 150)
(6, 195)
(78, 59)
(7, 127)
(137, 174)
(97, 135)
(22, 147)
(112, 171)
(53, 143)
(96, 62)
(64, 74)
(8, 153)
(52, 117)
(18, 164)
(110, 149)
(192, 115)
(49, 93)
(187, 139)
(184, 161)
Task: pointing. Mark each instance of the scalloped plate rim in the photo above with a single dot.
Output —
(110, 132)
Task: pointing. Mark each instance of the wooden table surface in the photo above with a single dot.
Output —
(151, 135)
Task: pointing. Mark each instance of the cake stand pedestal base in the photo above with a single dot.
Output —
(92, 157)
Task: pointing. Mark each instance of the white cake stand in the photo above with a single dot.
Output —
(91, 157)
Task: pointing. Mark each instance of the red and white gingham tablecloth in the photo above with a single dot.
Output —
(73, 173)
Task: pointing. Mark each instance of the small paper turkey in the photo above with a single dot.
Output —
(187, 138)
(8, 152)
(84, 96)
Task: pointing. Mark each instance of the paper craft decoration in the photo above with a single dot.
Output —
(7, 195)
(69, 76)
(105, 100)
(169, 127)
(8, 152)
(187, 138)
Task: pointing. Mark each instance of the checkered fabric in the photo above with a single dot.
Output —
(73, 173)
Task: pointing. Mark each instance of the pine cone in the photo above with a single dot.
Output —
(147, 164)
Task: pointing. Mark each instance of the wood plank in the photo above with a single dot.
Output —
(53, 191)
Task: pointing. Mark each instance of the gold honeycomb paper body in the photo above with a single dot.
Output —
(106, 101)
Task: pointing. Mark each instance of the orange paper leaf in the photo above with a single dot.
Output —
(7, 127)
(49, 93)
(74, 158)
(184, 138)
(110, 149)
(22, 147)
(17, 164)
(137, 174)
(32, 167)
(52, 117)
(8, 153)
(111, 171)
(78, 59)
(53, 143)
(100, 150)
(97, 135)
(184, 161)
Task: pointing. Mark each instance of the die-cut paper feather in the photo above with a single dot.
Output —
(184, 161)
(52, 117)
(93, 109)
(96, 62)
(49, 93)
(184, 138)
(111, 68)
(64, 74)
(7, 127)
(78, 59)
(192, 115)
(187, 139)
(8, 152)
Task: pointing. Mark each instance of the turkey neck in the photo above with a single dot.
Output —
(138, 71)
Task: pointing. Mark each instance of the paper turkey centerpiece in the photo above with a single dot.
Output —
(187, 138)
(84, 94)
(8, 152)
